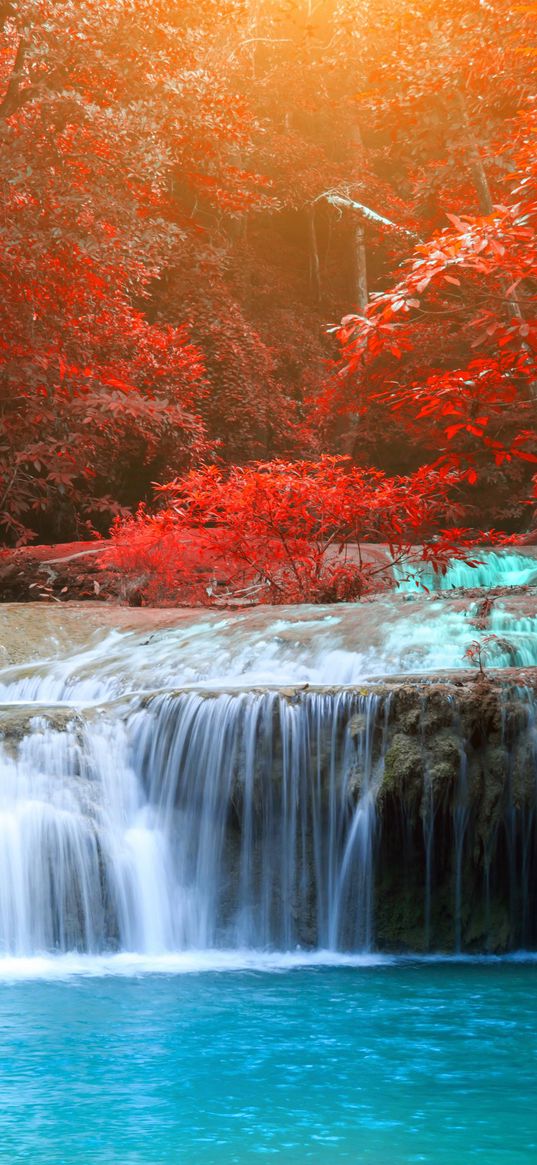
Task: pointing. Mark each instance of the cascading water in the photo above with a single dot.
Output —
(504, 568)
(197, 820)
(82, 864)
(234, 820)
(237, 781)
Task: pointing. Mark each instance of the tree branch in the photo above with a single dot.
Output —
(7, 10)
(258, 40)
(343, 202)
(14, 97)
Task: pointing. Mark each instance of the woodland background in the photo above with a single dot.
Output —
(194, 195)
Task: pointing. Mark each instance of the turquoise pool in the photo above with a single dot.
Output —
(382, 1064)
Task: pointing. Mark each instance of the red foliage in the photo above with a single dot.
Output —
(471, 396)
(283, 532)
(186, 188)
(101, 106)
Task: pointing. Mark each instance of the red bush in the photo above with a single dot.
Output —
(280, 532)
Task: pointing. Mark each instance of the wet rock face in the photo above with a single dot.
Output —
(456, 858)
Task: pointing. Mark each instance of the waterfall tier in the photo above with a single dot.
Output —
(403, 816)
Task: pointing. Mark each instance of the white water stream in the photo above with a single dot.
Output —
(161, 790)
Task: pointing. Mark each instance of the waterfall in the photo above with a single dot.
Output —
(268, 820)
(244, 819)
(235, 782)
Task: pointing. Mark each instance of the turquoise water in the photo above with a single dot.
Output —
(384, 1065)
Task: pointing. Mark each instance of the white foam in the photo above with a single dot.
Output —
(129, 964)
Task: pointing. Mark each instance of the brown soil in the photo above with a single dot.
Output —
(61, 573)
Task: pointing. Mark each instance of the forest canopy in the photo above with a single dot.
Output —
(238, 233)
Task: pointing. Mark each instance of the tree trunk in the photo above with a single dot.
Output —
(482, 186)
(479, 175)
(315, 267)
(361, 291)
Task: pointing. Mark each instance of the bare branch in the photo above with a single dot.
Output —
(258, 40)
(343, 202)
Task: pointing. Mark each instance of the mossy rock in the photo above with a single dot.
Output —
(403, 762)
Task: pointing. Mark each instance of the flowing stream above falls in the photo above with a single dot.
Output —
(326, 778)
(492, 569)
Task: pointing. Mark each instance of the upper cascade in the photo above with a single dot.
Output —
(502, 568)
(60, 660)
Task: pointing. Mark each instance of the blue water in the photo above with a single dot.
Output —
(384, 1065)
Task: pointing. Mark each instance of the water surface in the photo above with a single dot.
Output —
(390, 1063)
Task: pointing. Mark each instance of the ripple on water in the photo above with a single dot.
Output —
(397, 1063)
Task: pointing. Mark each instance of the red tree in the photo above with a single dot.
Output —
(101, 108)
